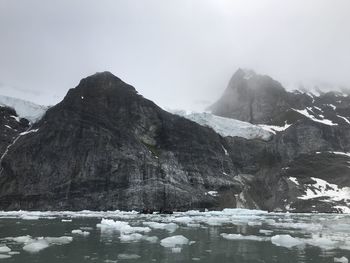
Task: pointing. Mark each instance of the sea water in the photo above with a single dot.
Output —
(231, 235)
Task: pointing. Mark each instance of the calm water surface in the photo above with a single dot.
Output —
(229, 236)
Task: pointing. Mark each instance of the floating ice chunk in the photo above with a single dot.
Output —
(322, 242)
(13, 253)
(135, 237)
(176, 249)
(265, 232)
(186, 220)
(341, 260)
(36, 246)
(29, 217)
(128, 256)
(121, 226)
(152, 239)
(20, 239)
(80, 232)
(5, 249)
(174, 241)
(171, 227)
(241, 237)
(66, 220)
(130, 238)
(4, 256)
(286, 241)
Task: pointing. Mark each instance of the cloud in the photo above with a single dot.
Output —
(173, 52)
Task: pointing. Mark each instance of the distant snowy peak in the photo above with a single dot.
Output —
(317, 89)
(227, 126)
(24, 109)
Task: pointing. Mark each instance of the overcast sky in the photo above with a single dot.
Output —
(179, 53)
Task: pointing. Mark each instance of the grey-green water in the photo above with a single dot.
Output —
(204, 237)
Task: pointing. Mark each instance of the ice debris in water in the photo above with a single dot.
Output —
(286, 241)
(341, 260)
(174, 241)
(128, 256)
(137, 237)
(171, 227)
(122, 227)
(241, 237)
(34, 245)
(4, 249)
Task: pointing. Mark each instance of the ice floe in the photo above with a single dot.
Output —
(286, 241)
(34, 245)
(174, 241)
(242, 237)
(128, 256)
(341, 260)
(123, 227)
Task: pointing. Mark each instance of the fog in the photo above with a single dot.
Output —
(181, 54)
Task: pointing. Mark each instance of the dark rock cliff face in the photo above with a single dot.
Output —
(106, 147)
(10, 127)
(315, 127)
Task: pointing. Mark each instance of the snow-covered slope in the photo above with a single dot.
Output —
(227, 126)
(24, 109)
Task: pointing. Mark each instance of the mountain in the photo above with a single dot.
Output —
(312, 139)
(107, 147)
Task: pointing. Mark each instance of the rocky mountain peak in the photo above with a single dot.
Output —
(250, 97)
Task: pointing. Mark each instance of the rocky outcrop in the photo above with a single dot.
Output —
(308, 128)
(106, 147)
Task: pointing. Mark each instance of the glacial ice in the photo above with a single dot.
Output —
(34, 245)
(286, 241)
(174, 241)
(341, 260)
(241, 237)
(4, 249)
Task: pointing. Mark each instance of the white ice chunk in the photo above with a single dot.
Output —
(4, 249)
(341, 260)
(174, 241)
(241, 237)
(36, 246)
(121, 226)
(128, 256)
(171, 227)
(286, 241)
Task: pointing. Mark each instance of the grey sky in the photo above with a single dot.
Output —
(178, 53)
